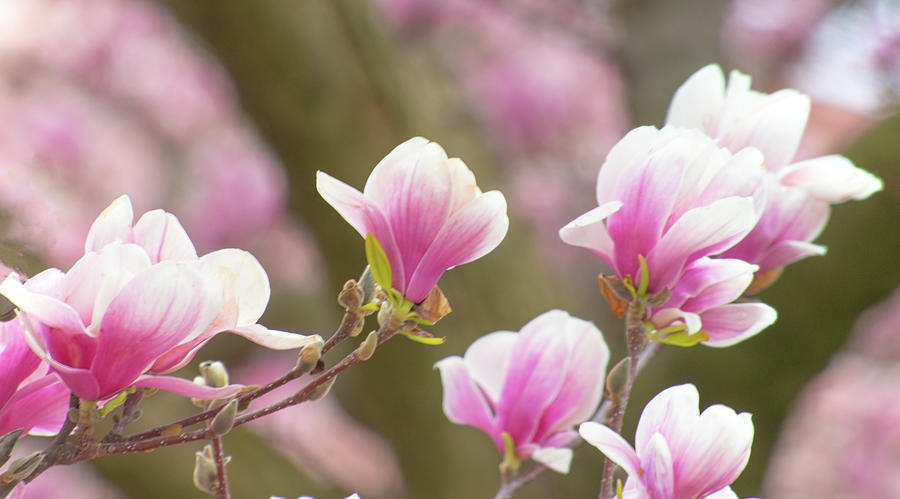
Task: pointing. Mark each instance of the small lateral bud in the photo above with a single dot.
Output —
(224, 420)
(367, 347)
(24, 466)
(7, 442)
(367, 286)
(320, 391)
(310, 355)
(618, 378)
(660, 298)
(198, 380)
(206, 477)
(351, 297)
(214, 373)
(385, 313)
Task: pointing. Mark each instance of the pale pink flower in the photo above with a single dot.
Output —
(534, 385)
(31, 397)
(142, 285)
(426, 212)
(679, 453)
(670, 196)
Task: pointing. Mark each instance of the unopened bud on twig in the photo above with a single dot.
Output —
(618, 379)
(214, 373)
(206, 477)
(310, 355)
(385, 313)
(367, 286)
(351, 297)
(224, 420)
(367, 347)
(21, 468)
(7, 442)
(320, 391)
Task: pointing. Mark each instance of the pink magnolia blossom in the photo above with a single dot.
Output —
(799, 192)
(534, 385)
(679, 453)
(142, 285)
(31, 397)
(672, 197)
(426, 212)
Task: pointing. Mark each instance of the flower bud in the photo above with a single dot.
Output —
(214, 373)
(618, 379)
(320, 391)
(206, 477)
(310, 355)
(7, 442)
(367, 286)
(385, 313)
(224, 420)
(367, 347)
(351, 297)
(21, 468)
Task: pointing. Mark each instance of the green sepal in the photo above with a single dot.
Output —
(114, 402)
(618, 489)
(418, 320)
(683, 338)
(645, 277)
(424, 338)
(629, 286)
(511, 461)
(370, 307)
(378, 263)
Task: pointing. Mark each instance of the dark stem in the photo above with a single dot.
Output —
(222, 489)
(52, 452)
(129, 411)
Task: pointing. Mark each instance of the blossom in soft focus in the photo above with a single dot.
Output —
(73, 481)
(353, 496)
(671, 196)
(426, 212)
(31, 397)
(113, 96)
(798, 193)
(534, 385)
(679, 452)
(142, 285)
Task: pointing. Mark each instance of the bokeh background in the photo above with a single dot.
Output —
(221, 112)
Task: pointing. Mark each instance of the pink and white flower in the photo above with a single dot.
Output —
(679, 453)
(672, 197)
(426, 212)
(140, 285)
(534, 385)
(31, 397)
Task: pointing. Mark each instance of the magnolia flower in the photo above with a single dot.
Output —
(797, 203)
(31, 398)
(679, 453)
(426, 212)
(142, 285)
(534, 385)
(670, 196)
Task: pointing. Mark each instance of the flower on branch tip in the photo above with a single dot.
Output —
(141, 302)
(679, 452)
(426, 212)
(533, 386)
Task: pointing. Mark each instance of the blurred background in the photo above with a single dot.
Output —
(221, 112)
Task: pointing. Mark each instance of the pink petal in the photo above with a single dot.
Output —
(17, 361)
(717, 452)
(831, 178)
(715, 282)
(729, 324)
(487, 360)
(700, 232)
(245, 285)
(698, 101)
(786, 252)
(464, 403)
(534, 378)
(112, 225)
(187, 388)
(43, 308)
(39, 407)
(81, 381)
(157, 309)
(625, 156)
(672, 413)
(472, 232)
(671, 316)
(725, 493)
(658, 469)
(273, 338)
(589, 231)
(612, 445)
(163, 237)
(584, 371)
(558, 459)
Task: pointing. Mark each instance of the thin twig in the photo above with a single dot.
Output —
(222, 489)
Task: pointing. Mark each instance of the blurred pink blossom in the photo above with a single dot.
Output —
(534, 385)
(426, 212)
(679, 452)
(74, 481)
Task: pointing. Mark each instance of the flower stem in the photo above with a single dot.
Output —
(222, 489)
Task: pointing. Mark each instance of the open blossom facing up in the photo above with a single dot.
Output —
(140, 285)
(670, 196)
(799, 193)
(426, 212)
(534, 385)
(31, 397)
(679, 453)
